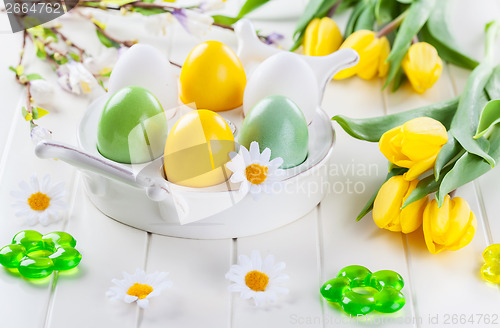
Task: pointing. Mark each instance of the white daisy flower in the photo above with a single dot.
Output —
(138, 287)
(257, 279)
(255, 171)
(38, 201)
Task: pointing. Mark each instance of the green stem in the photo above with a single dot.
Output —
(392, 25)
(492, 29)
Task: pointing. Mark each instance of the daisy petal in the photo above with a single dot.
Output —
(256, 261)
(266, 155)
(254, 150)
(144, 303)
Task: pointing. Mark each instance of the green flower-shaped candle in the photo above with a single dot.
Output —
(36, 256)
(359, 291)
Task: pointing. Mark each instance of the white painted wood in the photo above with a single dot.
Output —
(449, 283)
(315, 247)
(296, 244)
(199, 294)
(357, 170)
(9, 87)
(18, 164)
(108, 248)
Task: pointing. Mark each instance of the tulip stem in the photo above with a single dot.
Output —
(414, 40)
(392, 25)
(332, 10)
(452, 193)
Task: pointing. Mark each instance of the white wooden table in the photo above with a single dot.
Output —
(314, 248)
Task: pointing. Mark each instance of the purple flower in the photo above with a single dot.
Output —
(193, 22)
(274, 38)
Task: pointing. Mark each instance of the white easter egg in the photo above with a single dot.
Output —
(145, 66)
(284, 74)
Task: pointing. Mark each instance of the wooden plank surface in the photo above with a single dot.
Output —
(315, 247)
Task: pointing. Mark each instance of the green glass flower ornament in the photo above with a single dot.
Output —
(36, 256)
(359, 291)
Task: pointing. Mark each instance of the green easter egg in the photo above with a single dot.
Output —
(277, 123)
(133, 127)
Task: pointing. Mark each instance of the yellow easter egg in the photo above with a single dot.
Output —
(212, 77)
(197, 149)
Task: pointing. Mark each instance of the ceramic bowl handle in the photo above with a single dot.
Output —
(156, 190)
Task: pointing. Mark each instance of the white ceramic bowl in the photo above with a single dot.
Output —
(139, 195)
(302, 191)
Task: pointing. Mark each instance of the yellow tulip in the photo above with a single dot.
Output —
(387, 212)
(451, 226)
(414, 145)
(422, 66)
(322, 37)
(373, 53)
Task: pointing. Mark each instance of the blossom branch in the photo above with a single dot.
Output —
(69, 42)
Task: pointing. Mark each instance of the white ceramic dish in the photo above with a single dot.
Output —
(140, 196)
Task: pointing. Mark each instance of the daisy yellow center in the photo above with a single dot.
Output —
(139, 290)
(39, 201)
(256, 174)
(256, 281)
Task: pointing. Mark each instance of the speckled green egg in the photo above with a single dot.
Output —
(277, 123)
(133, 127)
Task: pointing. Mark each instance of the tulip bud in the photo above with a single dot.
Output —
(387, 212)
(373, 53)
(414, 145)
(322, 37)
(451, 226)
(422, 66)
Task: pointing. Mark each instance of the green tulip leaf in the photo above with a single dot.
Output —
(345, 5)
(385, 11)
(472, 102)
(369, 205)
(353, 18)
(425, 187)
(492, 88)
(416, 16)
(447, 153)
(465, 123)
(469, 167)
(372, 129)
(314, 9)
(437, 33)
(366, 19)
(398, 80)
(489, 117)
